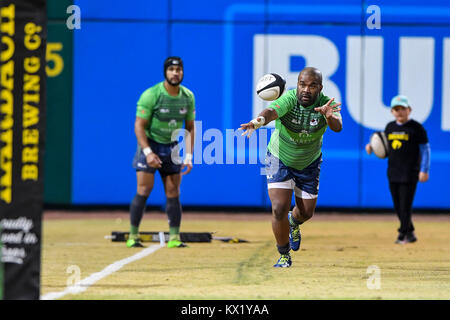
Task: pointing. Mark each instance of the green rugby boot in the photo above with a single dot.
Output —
(176, 244)
(134, 243)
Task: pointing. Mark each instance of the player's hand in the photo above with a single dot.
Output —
(327, 109)
(187, 163)
(252, 126)
(423, 176)
(153, 160)
(249, 129)
(368, 148)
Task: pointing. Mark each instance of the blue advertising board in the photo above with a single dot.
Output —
(226, 48)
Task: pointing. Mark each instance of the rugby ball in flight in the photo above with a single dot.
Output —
(270, 86)
(379, 144)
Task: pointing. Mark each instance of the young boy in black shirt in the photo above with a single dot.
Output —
(408, 162)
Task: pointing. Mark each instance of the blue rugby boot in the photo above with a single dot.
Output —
(284, 261)
(294, 233)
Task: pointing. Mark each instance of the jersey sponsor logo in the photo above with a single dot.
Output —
(304, 134)
(398, 136)
(303, 137)
(172, 123)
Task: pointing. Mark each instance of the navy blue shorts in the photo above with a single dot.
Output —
(304, 182)
(170, 164)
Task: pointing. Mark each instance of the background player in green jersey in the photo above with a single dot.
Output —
(294, 155)
(161, 111)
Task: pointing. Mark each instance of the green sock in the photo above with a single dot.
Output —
(134, 232)
(174, 233)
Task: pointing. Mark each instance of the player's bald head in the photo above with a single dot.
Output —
(309, 86)
(312, 72)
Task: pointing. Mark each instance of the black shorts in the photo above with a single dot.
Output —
(168, 153)
(305, 183)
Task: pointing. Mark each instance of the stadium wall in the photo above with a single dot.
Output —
(119, 50)
(58, 149)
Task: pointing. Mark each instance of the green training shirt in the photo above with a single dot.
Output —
(164, 112)
(297, 139)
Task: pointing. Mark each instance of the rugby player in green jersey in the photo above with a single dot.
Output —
(161, 111)
(294, 155)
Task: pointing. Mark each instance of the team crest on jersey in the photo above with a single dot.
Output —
(314, 122)
(183, 110)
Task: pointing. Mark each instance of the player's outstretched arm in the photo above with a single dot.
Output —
(334, 122)
(265, 117)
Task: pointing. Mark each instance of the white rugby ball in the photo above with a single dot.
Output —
(270, 86)
(379, 144)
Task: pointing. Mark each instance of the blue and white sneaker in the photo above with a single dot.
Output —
(284, 261)
(294, 233)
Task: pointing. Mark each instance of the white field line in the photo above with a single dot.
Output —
(93, 278)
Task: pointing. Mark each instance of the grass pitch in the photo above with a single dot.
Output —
(333, 261)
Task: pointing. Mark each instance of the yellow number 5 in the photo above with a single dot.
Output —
(52, 55)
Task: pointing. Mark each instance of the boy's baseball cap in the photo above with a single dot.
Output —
(400, 101)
